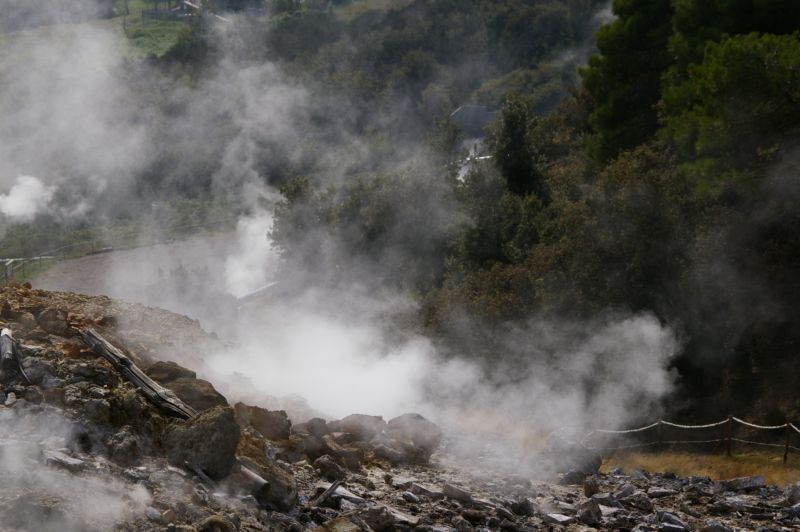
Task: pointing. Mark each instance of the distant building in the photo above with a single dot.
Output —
(472, 119)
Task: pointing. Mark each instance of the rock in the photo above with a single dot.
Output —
(410, 497)
(362, 426)
(197, 393)
(166, 372)
(658, 492)
(272, 424)
(474, 516)
(793, 493)
(456, 493)
(524, 507)
(743, 483)
(282, 493)
(329, 469)
(62, 460)
(558, 519)
(378, 518)
(98, 410)
(591, 486)
(590, 513)
(638, 500)
(54, 321)
(350, 456)
(339, 524)
(168, 516)
(461, 524)
(124, 447)
(606, 499)
(208, 441)
(11, 398)
(153, 514)
(626, 490)
(216, 523)
(317, 427)
(672, 519)
(426, 491)
(389, 453)
(713, 526)
(423, 434)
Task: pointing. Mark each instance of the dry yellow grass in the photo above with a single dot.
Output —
(767, 464)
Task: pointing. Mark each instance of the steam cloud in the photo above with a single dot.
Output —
(27, 197)
(36, 497)
(75, 116)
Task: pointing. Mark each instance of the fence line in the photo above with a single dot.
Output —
(728, 438)
(60, 253)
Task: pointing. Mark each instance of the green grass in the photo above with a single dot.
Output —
(144, 37)
(356, 8)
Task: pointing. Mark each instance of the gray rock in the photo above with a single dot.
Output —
(793, 493)
(659, 492)
(558, 519)
(208, 441)
(638, 500)
(426, 491)
(153, 514)
(461, 524)
(524, 507)
(378, 518)
(361, 426)
(329, 469)
(124, 447)
(743, 483)
(606, 499)
(410, 497)
(590, 513)
(714, 526)
(672, 519)
(422, 433)
(456, 493)
(62, 460)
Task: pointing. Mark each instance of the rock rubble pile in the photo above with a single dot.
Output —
(82, 449)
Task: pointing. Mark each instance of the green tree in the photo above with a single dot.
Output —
(745, 100)
(624, 79)
(509, 142)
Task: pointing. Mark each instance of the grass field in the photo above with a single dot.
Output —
(355, 8)
(767, 464)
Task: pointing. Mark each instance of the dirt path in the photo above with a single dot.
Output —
(135, 274)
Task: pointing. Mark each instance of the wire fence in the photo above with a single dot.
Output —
(728, 437)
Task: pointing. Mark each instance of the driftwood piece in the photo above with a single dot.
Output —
(154, 392)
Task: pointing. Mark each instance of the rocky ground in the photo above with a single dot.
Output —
(82, 449)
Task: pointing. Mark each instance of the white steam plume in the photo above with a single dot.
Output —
(27, 197)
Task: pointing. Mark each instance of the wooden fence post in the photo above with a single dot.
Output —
(786, 445)
(729, 436)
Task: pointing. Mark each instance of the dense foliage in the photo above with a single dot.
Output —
(667, 183)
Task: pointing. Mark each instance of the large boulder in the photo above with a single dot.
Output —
(408, 438)
(272, 424)
(197, 393)
(207, 441)
(361, 426)
(167, 371)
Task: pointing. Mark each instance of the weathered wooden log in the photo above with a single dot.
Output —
(162, 397)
